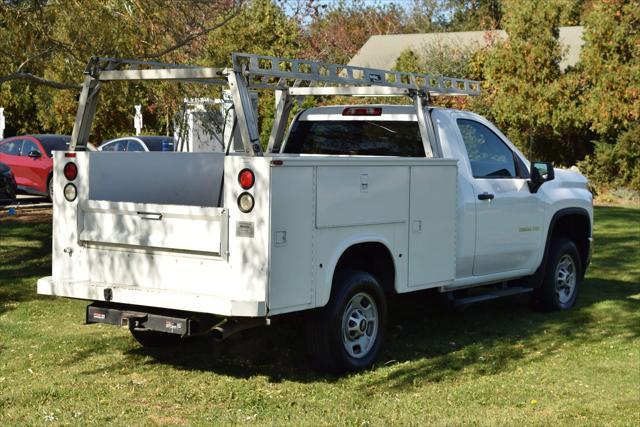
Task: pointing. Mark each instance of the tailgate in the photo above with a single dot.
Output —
(154, 226)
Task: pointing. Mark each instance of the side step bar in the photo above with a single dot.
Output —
(488, 296)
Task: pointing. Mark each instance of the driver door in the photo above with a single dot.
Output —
(508, 216)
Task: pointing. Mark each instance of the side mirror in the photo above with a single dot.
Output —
(541, 172)
(34, 154)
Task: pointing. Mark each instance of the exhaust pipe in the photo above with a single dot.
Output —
(228, 327)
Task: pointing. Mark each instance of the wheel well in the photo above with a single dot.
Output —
(577, 228)
(372, 257)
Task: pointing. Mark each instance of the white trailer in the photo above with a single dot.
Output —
(205, 124)
(352, 204)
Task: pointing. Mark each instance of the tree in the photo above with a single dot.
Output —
(261, 28)
(34, 32)
(45, 45)
(474, 15)
(524, 88)
(610, 61)
(445, 59)
(339, 31)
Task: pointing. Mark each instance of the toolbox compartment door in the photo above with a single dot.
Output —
(154, 226)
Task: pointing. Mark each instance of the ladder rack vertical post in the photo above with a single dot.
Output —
(244, 110)
(284, 104)
(427, 139)
(86, 111)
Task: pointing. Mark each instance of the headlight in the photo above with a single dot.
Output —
(245, 202)
(70, 192)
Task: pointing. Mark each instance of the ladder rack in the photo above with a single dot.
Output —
(269, 72)
(290, 79)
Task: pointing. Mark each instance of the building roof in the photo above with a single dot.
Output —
(382, 51)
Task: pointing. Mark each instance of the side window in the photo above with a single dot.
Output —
(134, 146)
(120, 145)
(108, 147)
(489, 155)
(11, 148)
(29, 146)
(116, 146)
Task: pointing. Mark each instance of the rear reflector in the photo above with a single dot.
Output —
(69, 154)
(362, 111)
(70, 171)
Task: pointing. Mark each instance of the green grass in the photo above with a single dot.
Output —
(498, 363)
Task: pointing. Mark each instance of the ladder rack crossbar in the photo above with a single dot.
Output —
(270, 67)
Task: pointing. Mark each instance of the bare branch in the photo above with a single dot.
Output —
(190, 38)
(40, 80)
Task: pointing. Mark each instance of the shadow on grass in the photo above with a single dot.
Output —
(441, 343)
(25, 255)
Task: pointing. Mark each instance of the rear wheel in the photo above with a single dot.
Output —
(156, 339)
(346, 334)
(562, 277)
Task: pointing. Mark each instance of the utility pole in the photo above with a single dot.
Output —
(2, 123)
(137, 119)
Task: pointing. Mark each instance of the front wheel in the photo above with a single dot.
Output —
(562, 277)
(346, 334)
(50, 189)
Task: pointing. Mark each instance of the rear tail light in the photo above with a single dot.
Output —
(70, 171)
(245, 202)
(246, 178)
(362, 111)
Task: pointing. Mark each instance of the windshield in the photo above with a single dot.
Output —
(363, 138)
(55, 143)
(156, 143)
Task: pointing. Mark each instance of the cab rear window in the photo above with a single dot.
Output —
(358, 138)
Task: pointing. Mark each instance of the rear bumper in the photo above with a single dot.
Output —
(160, 298)
(178, 324)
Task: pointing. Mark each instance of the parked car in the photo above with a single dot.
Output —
(29, 157)
(139, 143)
(8, 185)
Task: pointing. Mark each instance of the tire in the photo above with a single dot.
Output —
(154, 339)
(562, 277)
(347, 334)
(50, 189)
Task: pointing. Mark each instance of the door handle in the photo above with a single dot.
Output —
(485, 196)
(150, 215)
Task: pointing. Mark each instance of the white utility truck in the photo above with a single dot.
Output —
(349, 205)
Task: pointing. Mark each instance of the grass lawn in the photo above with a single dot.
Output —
(498, 363)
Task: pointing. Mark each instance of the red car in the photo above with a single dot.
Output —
(29, 157)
